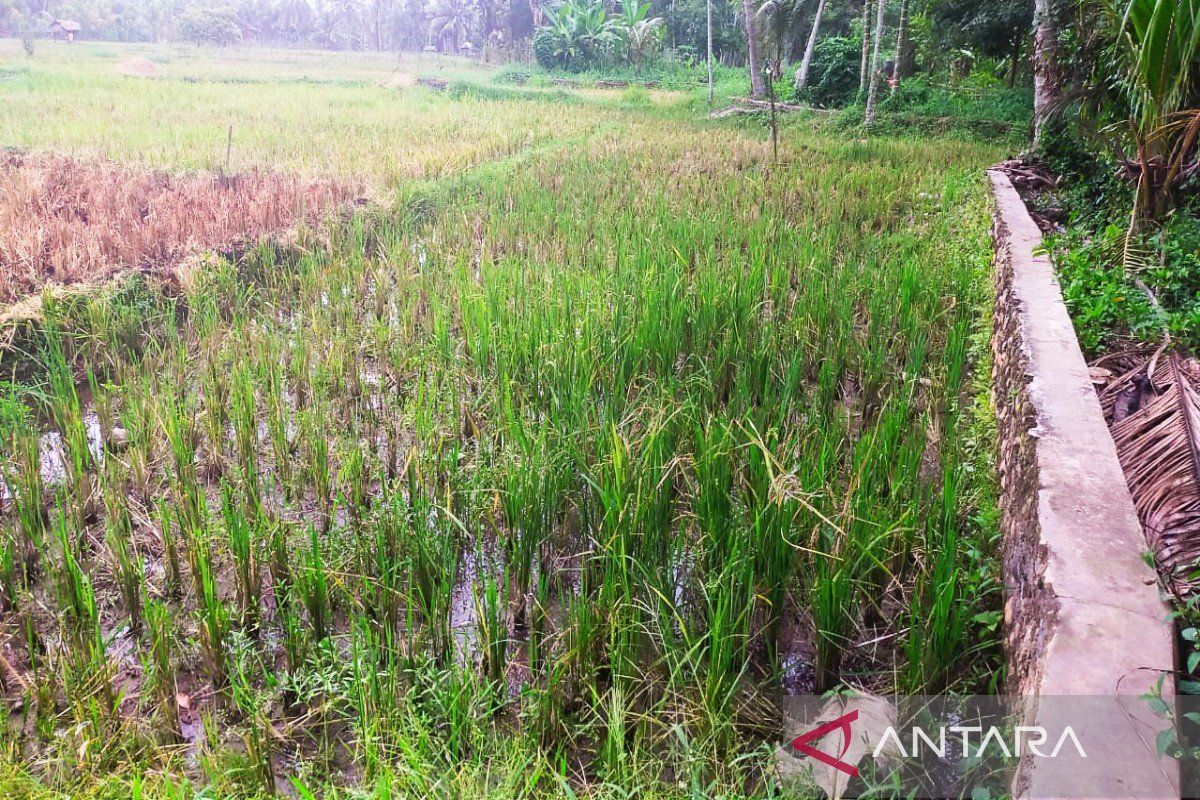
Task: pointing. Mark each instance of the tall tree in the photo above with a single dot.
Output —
(757, 88)
(993, 28)
(866, 46)
(873, 85)
(380, 12)
(1048, 73)
(901, 45)
(802, 73)
(776, 25)
(293, 18)
(708, 26)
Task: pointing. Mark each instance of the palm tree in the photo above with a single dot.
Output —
(1047, 72)
(901, 45)
(340, 22)
(866, 46)
(802, 73)
(450, 21)
(757, 88)
(380, 12)
(776, 24)
(293, 18)
(1158, 46)
(873, 85)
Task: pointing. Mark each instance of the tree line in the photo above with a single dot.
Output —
(784, 31)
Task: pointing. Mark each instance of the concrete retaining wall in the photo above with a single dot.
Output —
(1083, 613)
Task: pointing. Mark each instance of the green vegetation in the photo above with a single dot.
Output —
(540, 475)
(583, 35)
(1124, 149)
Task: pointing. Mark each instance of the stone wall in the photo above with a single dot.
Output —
(1083, 614)
(1029, 606)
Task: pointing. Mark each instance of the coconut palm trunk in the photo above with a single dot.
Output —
(757, 88)
(866, 47)
(901, 45)
(873, 84)
(802, 73)
(1047, 73)
(708, 18)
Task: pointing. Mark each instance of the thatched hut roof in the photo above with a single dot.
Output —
(67, 25)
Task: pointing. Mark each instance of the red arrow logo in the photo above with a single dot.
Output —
(842, 723)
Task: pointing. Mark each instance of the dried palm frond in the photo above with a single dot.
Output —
(1155, 414)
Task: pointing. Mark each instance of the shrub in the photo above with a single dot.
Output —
(555, 50)
(547, 44)
(1100, 294)
(982, 101)
(833, 73)
(204, 25)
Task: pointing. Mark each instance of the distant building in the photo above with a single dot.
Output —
(65, 29)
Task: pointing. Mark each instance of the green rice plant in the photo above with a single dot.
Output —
(433, 569)
(214, 391)
(493, 622)
(67, 412)
(937, 624)
(190, 506)
(244, 415)
(312, 586)
(352, 480)
(77, 599)
(280, 562)
(173, 567)
(29, 489)
(85, 669)
(211, 610)
(161, 664)
(256, 738)
(539, 625)
(277, 419)
(243, 543)
(534, 485)
(12, 559)
(316, 448)
(300, 370)
(138, 415)
(295, 638)
(773, 510)
(118, 535)
(615, 754)
(383, 570)
(831, 597)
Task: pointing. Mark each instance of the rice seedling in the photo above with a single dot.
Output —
(493, 624)
(318, 467)
(29, 490)
(243, 543)
(118, 534)
(211, 610)
(312, 586)
(11, 563)
(67, 412)
(244, 413)
(160, 662)
(256, 738)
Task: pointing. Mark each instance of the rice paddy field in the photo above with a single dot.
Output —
(545, 470)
